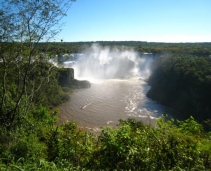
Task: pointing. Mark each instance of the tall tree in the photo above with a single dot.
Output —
(23, 25)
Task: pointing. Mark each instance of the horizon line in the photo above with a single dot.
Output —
(129, 41)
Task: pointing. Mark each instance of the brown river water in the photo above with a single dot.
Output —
(107, 101)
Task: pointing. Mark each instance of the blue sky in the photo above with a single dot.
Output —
(138, 20)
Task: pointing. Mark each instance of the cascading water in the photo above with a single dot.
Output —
(118, 88)
(104, 63)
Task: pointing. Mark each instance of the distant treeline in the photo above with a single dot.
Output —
(198, 49)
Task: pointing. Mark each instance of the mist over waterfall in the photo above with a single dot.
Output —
(98, 62)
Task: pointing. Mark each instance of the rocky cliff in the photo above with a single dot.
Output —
(66, 79)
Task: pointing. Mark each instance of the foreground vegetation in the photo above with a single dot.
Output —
(40, 145)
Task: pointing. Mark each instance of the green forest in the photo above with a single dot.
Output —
(183, 82)
(31, 88)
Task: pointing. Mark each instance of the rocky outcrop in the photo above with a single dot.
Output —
(66, 76)
(66, 79)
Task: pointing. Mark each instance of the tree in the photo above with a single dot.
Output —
(23, 69)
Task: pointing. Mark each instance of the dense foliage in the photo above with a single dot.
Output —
(40, 145)
(40, 88)
(183, 82)
(26, 79)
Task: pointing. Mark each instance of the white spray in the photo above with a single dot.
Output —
(105, 63)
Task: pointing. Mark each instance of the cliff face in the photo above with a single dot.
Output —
(66, 76)
(66, 79)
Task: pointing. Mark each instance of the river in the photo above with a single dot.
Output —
(107, 101)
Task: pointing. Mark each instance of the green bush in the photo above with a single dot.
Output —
(132, 145)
